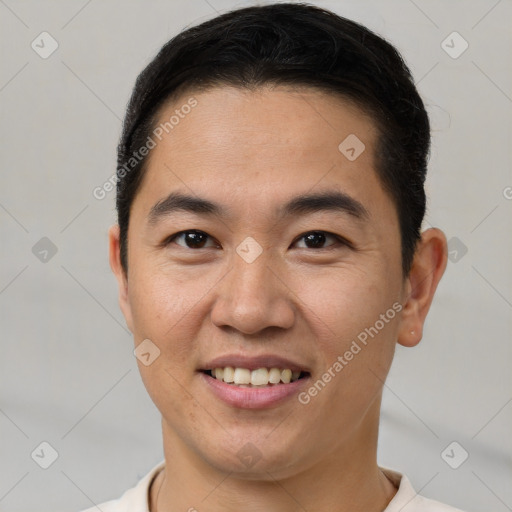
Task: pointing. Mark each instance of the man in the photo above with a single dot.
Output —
(269, 258)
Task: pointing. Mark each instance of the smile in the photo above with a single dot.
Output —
(241, 393)
(261, 377)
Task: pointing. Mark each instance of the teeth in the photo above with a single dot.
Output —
(274, 376)
(242, 376)
(229, 374)
(286, 376)
(260, 377)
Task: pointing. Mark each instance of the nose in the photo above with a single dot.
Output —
(253, 297)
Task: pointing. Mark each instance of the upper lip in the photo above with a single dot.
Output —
(254, 362)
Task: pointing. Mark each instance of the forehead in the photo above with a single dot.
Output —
(266, 118)
(265, 143)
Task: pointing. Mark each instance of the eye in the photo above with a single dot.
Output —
(316, 239)
(193, 239)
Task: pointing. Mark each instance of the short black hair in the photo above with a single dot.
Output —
(293, 44)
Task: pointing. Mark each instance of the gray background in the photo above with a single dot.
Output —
(67, 371)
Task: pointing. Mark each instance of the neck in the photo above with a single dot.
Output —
(347, 479)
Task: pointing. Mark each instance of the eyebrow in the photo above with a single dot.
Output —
(300, 205)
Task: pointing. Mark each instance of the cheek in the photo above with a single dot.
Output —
(164, 311)
(343, 302)
(169, 307)
(353, 318)
(159, 299)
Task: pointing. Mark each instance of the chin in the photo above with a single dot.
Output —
(254, 457)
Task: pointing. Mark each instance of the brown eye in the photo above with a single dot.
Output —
(192, 239)
(317, 239)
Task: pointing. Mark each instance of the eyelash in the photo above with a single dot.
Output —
(340, 240)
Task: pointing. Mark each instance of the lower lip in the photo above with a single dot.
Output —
(253, 398)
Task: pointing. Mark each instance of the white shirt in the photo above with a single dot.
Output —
(406, 499)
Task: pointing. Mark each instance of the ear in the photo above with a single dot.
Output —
(428, 266)
(119, 272)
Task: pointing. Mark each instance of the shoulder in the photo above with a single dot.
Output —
(134, 499)
(408, 500)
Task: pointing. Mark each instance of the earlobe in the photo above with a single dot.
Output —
(119, 272)
(428, 267)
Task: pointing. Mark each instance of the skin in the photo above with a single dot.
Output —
(251, 151)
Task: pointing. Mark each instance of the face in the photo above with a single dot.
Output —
(266, 276)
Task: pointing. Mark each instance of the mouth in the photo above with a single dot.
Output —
(258, 378)
(254, 382)
(261, 388)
